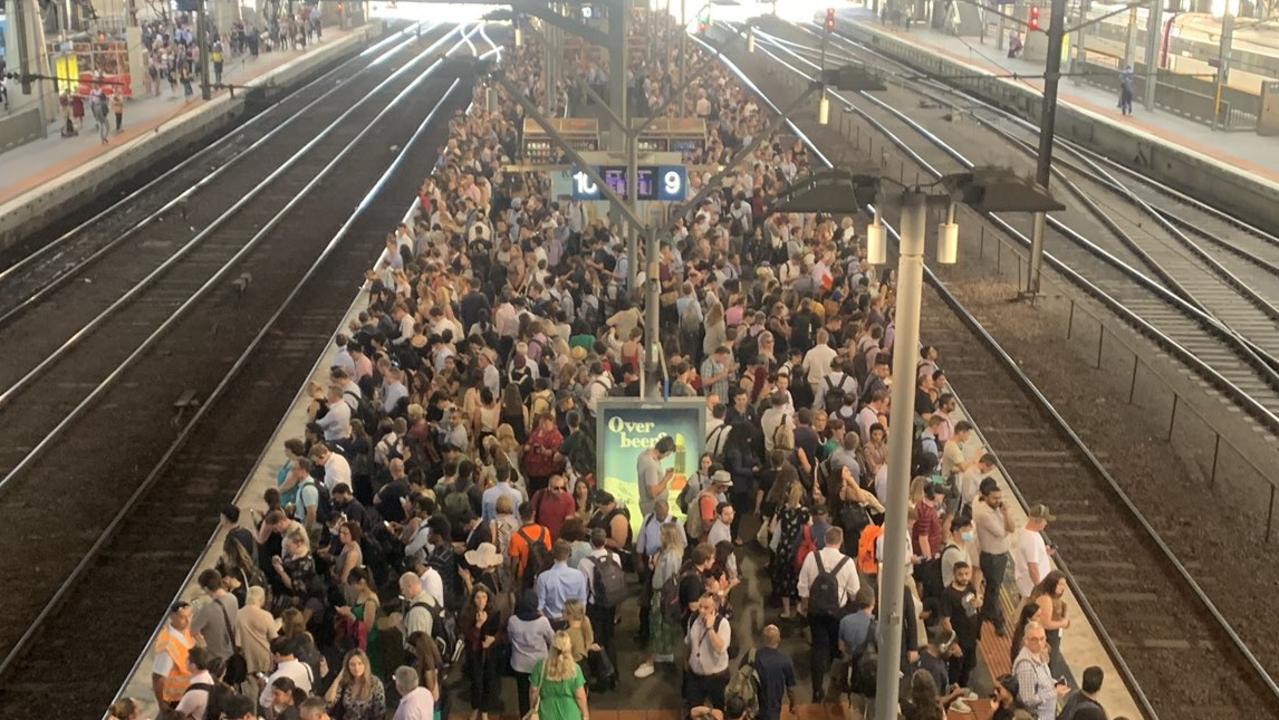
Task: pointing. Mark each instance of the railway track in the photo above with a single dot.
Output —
(55, 259)
(1104, 260)
(1180, 655)
(136, 491)
(91, 330)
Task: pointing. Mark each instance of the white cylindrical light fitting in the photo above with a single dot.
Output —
(519, 36)
(823, 110)
(750, 39)
(947, 243)
(876, 243)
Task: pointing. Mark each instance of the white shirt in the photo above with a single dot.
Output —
(865, 419)
(417, 705)
(336, 423)
(597, 390)
(831, 557)
(295, 670)
(1028, 547)
(195, 702)
(770, 421)
(336, 470)
(433, 584)
(817, 361)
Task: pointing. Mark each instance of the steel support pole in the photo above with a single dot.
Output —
(617, 71)
(202, 29)
(1047, 123)
(1154, 43)
(1223, 63)
(910, 271)
(1081, 52)
(652, 319)
(1130, 45)
(683, 49)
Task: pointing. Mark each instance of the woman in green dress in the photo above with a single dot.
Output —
(557, 686)
(357, 623)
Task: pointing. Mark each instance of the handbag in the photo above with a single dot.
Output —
(532, 711)
(236, 670)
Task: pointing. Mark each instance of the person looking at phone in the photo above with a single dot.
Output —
(1036, 687)
(995, 528)
(653, 481)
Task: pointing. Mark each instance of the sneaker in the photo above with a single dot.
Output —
(645, 670)
(970, 696)
(961, 707)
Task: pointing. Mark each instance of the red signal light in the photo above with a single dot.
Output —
(1033, 22)
(830, 19)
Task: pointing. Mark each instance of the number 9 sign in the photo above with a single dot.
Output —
(673, 185)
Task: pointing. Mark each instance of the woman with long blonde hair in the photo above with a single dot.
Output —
(558, 687)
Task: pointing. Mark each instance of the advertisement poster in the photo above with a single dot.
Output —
(627, 427)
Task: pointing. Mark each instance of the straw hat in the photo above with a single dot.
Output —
(484, 556)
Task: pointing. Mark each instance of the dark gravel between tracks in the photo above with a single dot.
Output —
(39, 274)
(111, 612)
(1217, 535)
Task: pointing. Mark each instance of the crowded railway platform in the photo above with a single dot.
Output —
(445, 525)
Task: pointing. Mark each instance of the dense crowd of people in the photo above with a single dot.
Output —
(438, 536)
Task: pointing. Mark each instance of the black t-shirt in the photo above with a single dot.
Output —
(924, 404)
(806, 439)
(691, 587)
(937, 668)
(389, 504)
(776, 673)
(960, 606)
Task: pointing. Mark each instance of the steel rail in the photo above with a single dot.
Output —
(266, 448)
(90, 555)
(193, 159)
(1108, 642)
(205, 288)
(1154, 536)
(52, 358)
(1259, 361)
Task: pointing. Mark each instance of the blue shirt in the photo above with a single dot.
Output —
(488, 503)
(557, 586)
(649, 540)
(854, 629)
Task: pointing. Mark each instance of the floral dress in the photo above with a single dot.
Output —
(349, 707)
(785, 576)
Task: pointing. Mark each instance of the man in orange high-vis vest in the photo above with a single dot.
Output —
(170, 676)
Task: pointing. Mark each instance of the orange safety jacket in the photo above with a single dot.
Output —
(177, 647)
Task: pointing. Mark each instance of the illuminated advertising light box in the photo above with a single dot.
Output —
(627, 427)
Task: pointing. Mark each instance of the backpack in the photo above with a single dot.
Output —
(692, 488)
(864, 665)
(693, 525)
(364, 411)
(671, 608)
(806, 547)
(443, 632)
(457, 507)
(823, 594)
(867, 561)
(833, 400)
(539, 558)
(219, 693)
(744, 684)
(748, 349)
(608, 581)
(324, 507)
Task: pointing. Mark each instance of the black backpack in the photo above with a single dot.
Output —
(608, 581)
(443, 632)
(323, 508)
(823, 594)
(364, 411)
(864, 665)
(834, 398)
(539, 558)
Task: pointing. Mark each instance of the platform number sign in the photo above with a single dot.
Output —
(662, 183)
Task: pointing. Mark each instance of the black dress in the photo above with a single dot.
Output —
(483, 664)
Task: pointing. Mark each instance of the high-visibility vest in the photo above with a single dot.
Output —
(178, 647)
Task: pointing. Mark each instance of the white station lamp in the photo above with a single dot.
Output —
(948, 239)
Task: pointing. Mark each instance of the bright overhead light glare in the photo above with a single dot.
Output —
(519, 37)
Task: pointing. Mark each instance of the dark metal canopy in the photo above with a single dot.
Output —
(829, 191)
(999, 189)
